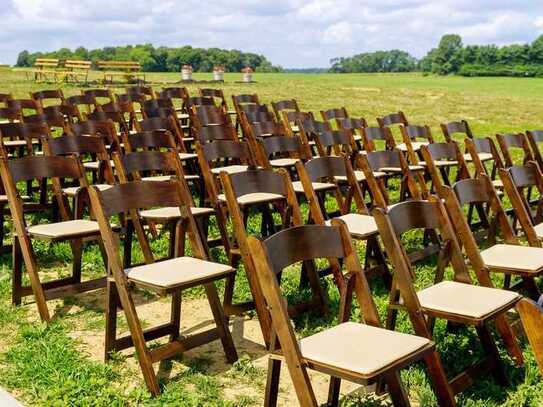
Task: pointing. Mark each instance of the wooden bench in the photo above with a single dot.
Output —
(74, 70)
(127, 69)
(44, 67)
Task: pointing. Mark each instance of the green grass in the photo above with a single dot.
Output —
(47, 365)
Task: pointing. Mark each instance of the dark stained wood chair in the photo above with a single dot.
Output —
(336, 142)
(510, 145)
(531, 315)
(440, 159)
(280, 151)
(534, 138)
(284, 105)
(264, 192)
(83, 105)
(355, 125)
(168, 277)
(49, 97)
(506, 257)
(331, 115)
(169, 123)
(14, 171)
(362, 352)
(479, 306)
(101, 96)
(307, 129)
(292, 119)
(414, 137)
(457, 129)
(480, 149)
(316, 176)
(393, 119)
(25, 106)
(217, 94)
(375, 137)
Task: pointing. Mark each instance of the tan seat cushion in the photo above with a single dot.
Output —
(360, 226)
(514, 257)
(93, 165)
(172, 212)
(399, 170)
(177, 272)
(442, 163)
(284, 162)
(294, 128)
(357, 137)
(64, 230)
(158, 178)
(359, 175)
(72, 191)
(361, 349)
(187, 156)
(317, 186)
(254, 198)
(497, 183)
(230, 169)
(539, 230)
(465, 299)
(482, 157)
(182, 116)
(416, 145)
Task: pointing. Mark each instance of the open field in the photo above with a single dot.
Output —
(61, 364)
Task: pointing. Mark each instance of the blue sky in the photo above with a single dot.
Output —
(291, 33)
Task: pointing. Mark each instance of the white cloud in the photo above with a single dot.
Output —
(293, 33)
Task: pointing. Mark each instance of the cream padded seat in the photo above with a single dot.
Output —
(172, 212)
(93, 165)
(295, 128)
(482, 157)
(161, 178)
(514, 257)
(72, 191)
(416, 145)
(398, 169)
(357, 137)
(317, 186)
(361, 349)
(442, 163)
(230, 169)
(359, 175)
(360, 226)
(465, 299)
(183, 116)
(187, 156)
(254, 198)
(497, 183)
(539, 231)
(177, 272)
(284, 162)
(64, 230)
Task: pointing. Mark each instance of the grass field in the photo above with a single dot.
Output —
(61, 364)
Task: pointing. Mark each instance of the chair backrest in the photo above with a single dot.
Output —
(415, 132)
(534, 138)
(334, 114)
(397, 118)
(248, 99)
(215, 93)
(105, 129)
(279, 146)
(163, 123)
(199, 101)
(10, 114)
(207, 134)
(282, 105)
(476, 146)
(352, 123)
(149, 140)
(436, 154)
(145, 91)
(24, 105)
(307, 244)
(53, 94)
(116, 117)
(127, 199)
(451, 129)
(510, 141)
(25, 131)
(99, 95)
(87, 101)
(336, 142)
(372, 134)
(207, 116)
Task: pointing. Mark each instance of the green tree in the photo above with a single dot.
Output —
(448, 56)
(23, 59)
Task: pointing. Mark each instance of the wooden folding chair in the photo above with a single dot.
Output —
(414, 137)
(482, 150)
(169, 123)
(507, 142)
(364, 353)
(280, 151)
(459, 129)
(55, 96)
(439, 160)
(87, 102)
(381, 135)
(292, 119)
(330, 170)
(216, 94)
(101, 96)
(336, 142)
(265, 192)
(355, 125)
(332, 115)
(508, 258)
(531, 315)
(457, 301)
(534, 138)
(168, 277)
(284, 105)
(72, 230)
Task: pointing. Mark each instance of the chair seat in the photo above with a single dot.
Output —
(497, 183)
(442, 163)
(482, 157)
(284, 162)
(539, 230)
(357, 137)
(513, 257)
(182, 116)
(317, 186)
(254, 198)
(360, 349)
(360, 226)
(172, 212)
(72, 191)
(93, 165)
(399, 170)
(295, 129)
(70, 229)
(359, 175)
(465, 300)
(177, 272)
(230, 169)
(17, 143)
(416, 145)
(187, 156)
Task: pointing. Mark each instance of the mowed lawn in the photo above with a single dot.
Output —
(61, 364)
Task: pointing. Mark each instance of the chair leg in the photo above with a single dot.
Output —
(442, 389)
(220, 321)
(77, 250)
(112, 303)
(396, 390)
(509, 339)
(333, 391)
(17, 279)
(176, 314)
(491, 350)
(272, 383)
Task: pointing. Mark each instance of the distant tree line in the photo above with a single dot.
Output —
(452, 57)
(161, 59)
